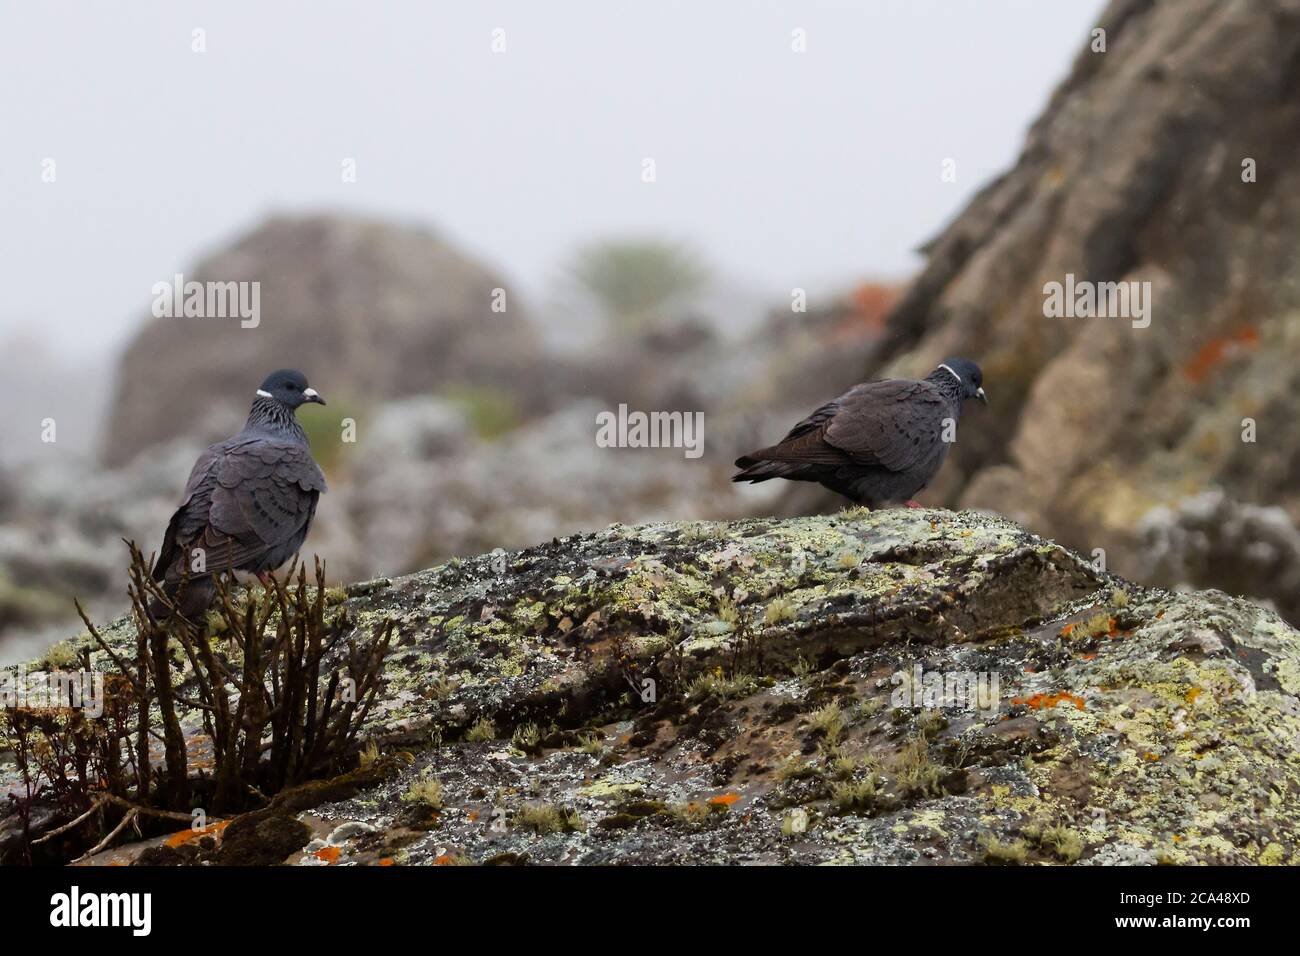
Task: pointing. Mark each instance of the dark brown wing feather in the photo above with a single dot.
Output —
(191, 515)
(893, 423)
(248, 509)
(886, 423)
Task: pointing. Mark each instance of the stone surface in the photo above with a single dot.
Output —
(1134, 172)
(1129, 725)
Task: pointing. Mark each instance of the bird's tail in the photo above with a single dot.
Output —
(756, 469)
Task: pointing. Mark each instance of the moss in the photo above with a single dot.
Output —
(778, 611)
(997, 853)
(482, 731)
(369, 754)
(1062, 842)
(856, 796)
(930, 723)
(827, 722)
(694, 813)
(714, 684)
(843, 768)
(547, 818)
(797, 769)
(426, 791)
(527, 738)
(61, 657)
(917, 774)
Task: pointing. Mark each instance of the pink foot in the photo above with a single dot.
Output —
(914, 504)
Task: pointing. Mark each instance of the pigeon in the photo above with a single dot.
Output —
(877, 444)
(249, 500)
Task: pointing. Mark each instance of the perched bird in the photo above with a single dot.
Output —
(877, 444)
(249, 500)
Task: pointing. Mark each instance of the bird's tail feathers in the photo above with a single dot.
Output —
(756, 470)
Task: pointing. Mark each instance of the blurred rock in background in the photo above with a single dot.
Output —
(372, 310)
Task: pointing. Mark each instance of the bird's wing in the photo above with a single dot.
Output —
(256, 495)
(803, 443)
(192, 513)
(265, 493)
(895, 423)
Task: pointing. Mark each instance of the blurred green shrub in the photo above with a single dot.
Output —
(635, 282)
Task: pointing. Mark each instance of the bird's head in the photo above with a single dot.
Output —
(970, 376)
(289, 387)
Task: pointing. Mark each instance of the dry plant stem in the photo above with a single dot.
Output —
(274, 717)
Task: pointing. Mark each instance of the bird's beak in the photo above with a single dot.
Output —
(311, 395)
(979, 393)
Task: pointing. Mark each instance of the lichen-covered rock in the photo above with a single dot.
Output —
(764, 691)
(1136, 171)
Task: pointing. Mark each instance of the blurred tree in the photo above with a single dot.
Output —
(637, 282)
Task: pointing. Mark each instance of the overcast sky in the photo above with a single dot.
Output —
(785, 169)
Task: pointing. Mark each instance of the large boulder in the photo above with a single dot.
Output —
(1167, 158)
(370, 310)
(763, 691)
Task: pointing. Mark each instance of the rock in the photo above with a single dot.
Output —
(1137, 171)
(371, 311)
(1209, 537)
(764, 691)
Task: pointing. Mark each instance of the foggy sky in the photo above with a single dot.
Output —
(783, 169)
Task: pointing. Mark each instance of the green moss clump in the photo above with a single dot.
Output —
(548, 818)
(482, 731)
(997, 853)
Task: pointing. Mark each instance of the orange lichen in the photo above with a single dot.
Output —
(724, 800)
(869, 304)
(386, 861)
(1192, 694)
(185, 836)
(329, 854)
(1065, 631)
(445, 860)
(1216, 351)
(1047, 701)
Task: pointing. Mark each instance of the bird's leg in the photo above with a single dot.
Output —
(913, 504)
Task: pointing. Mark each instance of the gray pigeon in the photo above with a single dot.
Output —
(249, 501)
(877, 444)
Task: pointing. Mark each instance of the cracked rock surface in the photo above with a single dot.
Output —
(908, 686)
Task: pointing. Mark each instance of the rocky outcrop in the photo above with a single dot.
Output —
(370, 310)
(1165, 157)
(765, 691)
